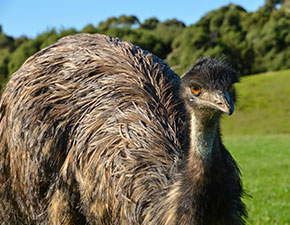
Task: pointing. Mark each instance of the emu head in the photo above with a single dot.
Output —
(208, 87)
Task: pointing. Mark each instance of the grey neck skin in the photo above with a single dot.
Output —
(203, 130)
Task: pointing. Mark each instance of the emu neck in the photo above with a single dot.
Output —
(203, 130)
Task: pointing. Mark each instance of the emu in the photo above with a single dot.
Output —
(94, 130)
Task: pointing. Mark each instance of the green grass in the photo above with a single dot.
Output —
(265, 166)
(258, 136)
(263, 105)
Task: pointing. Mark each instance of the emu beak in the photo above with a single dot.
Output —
(223, 102)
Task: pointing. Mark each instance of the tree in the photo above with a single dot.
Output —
(218, 33)
(6, 42)
(19, 56)
(272, 43)
(154, 29)
(271, 5)
(4, 60)
(150, 24)
(120, 22)
(90, 29)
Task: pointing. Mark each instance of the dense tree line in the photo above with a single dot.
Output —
(251, 41)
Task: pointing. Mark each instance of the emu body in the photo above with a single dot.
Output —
(94, 130)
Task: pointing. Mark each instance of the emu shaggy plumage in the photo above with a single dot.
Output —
(94, 130)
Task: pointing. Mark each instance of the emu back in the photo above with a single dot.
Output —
(93, 131)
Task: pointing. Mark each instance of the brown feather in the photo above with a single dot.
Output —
(93, 131)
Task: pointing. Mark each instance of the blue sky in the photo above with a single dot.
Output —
(32, 17)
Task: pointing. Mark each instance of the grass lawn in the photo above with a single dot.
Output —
(265, 165)
(258, 136)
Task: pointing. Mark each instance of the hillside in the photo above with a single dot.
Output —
(263, 105)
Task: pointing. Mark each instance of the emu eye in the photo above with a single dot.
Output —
(195, 90)
(231, 88)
